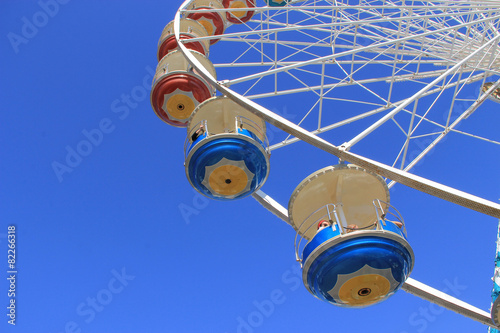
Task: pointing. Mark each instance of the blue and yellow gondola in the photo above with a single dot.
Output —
(363, 257)
(226, 150)
(276, 3)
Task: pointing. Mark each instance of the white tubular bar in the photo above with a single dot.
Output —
(416, 96)
(449, 302)
(271, 205)
(346, 53)
(367, 114)
(448, 129)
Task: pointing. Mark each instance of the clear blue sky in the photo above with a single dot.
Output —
(104, 247)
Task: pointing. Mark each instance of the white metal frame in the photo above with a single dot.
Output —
(407, 49)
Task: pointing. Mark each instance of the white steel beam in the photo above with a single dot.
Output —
(369, 113)
(450, 128)
(346, 53)
(417, 95)
(271, 205)
(449, 302)
(403, 77)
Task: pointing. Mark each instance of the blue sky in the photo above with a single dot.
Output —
(105, 246)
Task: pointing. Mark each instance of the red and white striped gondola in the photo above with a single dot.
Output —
(213, 21)
(189, 29)
(177, 89)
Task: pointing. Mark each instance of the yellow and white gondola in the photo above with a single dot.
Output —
(226, 150)
(363, 257)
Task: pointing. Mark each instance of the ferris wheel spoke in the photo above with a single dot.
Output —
(475, 136)
(417, 95)
(427, 22)
(450, 128)
(440, 298)
(301, 50)
(320, 44)
(438, 17)
(342, 82)
(269, 41)
(327, 128)
(345, 53)
(271, 205)
(370, 113)
(445, 86)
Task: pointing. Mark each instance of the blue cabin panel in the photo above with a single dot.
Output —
(227, 167)
(360, 270)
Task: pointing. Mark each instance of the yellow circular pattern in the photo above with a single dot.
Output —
(364, 290)
(238, 4)
(208, 26)
(180, 106)
(228, 180)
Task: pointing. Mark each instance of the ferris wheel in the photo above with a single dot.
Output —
(365, 71)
